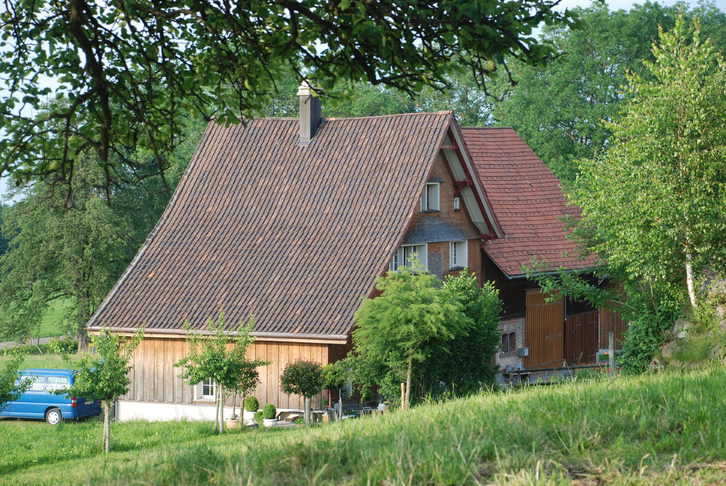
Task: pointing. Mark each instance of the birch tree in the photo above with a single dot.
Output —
(653, 203)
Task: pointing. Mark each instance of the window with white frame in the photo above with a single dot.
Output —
(430, 197)
(458, 257)
(408, 255)
(205, 390)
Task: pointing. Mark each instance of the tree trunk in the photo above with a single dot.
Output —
(307, 411)
(220, 409)
(689, 280)
(106, 425)
(340, 404)
(408, 383)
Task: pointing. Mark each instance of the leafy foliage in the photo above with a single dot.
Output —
(269, 412)
(302, 378)
(465, 364)
(127, 74)
(558, 108)
(251, 404)
(652, 204)
(75, 246)
(220, 355)
(103, 375)
(10, 386)
(401, 328)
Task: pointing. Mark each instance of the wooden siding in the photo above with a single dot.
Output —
(611, 321)
(581, 337)
(154, 378)
(544, 331)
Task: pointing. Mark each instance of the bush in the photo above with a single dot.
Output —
(259, 417)
(55, 346)
(269, 412)
(252, 404)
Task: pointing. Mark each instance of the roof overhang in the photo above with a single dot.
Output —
(259, 336)
(467, 179)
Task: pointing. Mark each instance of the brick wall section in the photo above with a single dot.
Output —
(439, 251)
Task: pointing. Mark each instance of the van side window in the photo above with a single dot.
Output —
(46, 383)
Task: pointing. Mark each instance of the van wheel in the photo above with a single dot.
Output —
(54, 416)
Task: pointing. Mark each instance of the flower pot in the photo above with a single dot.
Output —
(249, 417)
(232, 423)
(269, 422)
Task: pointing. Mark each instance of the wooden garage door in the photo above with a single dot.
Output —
(544, 331)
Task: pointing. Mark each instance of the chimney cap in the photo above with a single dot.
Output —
(305, 89)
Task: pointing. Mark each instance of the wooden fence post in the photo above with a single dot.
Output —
(611, 352)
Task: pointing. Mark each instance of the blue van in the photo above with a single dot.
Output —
(41, 400)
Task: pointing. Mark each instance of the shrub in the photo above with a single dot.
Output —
(269, 412)
(252, 404)
(259, 417)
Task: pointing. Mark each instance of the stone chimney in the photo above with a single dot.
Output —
(310, 112)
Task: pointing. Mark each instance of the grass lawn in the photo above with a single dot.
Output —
(657, 430)
(51, 324)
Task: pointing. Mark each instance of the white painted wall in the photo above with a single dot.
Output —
(154, 412)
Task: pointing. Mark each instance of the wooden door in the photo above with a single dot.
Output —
(544, 331)
(581, 338)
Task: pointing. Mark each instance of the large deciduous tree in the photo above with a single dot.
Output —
(558, 108)
(72, 245)
(109, 76)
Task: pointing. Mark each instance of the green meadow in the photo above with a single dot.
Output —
(660, 429)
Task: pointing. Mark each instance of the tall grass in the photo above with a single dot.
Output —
(661, 429)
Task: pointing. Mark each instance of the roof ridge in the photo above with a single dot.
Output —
(488, 128)
(393, 115)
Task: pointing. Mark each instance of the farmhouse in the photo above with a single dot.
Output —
(291, 220)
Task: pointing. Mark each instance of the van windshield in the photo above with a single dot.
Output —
(46, 383)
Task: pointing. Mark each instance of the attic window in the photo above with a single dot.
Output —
(430, 197)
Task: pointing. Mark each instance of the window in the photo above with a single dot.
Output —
(430, 197)
(458, 255)
(205, 390)
(48, 384)
(509, 342)
(406, 255)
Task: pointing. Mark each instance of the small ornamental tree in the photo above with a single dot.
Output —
(335, 376)
(396, 330)
(103, 375)
(10, 386)
(303, 378)
(219, 354)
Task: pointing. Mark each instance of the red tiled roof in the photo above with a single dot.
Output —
(294, 235)
(527, 200)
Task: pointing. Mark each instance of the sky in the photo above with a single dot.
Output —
(614, 5)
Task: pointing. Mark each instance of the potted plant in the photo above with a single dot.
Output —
(269, 415)
(251, 406)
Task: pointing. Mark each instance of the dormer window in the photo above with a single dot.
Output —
(430, 197)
